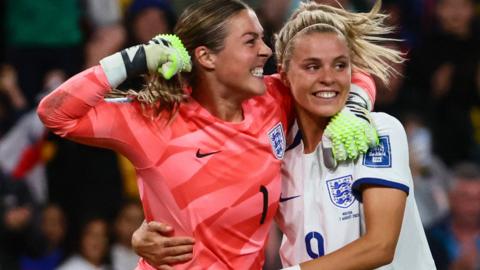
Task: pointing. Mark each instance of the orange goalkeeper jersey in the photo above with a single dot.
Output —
(216, 181)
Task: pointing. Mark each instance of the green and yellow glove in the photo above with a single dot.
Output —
(351, 132)
(164, 54)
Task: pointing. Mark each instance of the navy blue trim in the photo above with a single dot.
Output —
(376, 182)
(296, 141)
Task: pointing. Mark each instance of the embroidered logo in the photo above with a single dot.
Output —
(284, 199)
(340, 191)
(379, 156)
(277, 140)
(206, 154)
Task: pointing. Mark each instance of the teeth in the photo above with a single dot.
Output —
(257, 72)
(324, 94)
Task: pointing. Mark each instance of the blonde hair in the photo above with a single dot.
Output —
(362, 32)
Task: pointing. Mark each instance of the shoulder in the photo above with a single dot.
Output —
(274, 85)
(384, 119)
(387, 124)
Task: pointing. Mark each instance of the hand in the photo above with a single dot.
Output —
(164, 54)
(167, 55)
(350, 132)
(155, 242)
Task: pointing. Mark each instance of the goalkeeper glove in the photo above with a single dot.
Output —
(164, 54)
(351, 131)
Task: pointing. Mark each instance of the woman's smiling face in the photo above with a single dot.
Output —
(239, 65)
(319, 73)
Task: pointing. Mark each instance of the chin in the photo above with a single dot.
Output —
(257, 88)
(325, 112)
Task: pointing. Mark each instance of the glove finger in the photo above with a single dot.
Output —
(339, 152)
(372, 136)
(334, 134)
(186, 66)
(351, 148)
(362, 141)
(168, 69)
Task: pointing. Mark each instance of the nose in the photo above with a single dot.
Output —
(326, 76)
(265, 51)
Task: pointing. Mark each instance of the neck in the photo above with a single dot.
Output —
(312, 129)
(219, 101)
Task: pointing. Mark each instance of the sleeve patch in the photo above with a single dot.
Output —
(379, 156)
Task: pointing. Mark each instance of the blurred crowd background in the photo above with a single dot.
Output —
(70, 206)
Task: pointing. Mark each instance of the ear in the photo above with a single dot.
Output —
(283, 75)
(205, 57)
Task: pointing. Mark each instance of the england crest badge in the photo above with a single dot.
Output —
(277, 140)
(340, 191)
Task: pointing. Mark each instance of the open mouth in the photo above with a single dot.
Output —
(257, 72)
(325, 94)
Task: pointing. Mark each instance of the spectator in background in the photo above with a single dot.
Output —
(455, 242)
(67, 35)
(12, 101)
(430, 175)
(441, 80)
(148, 18)
(21, 148)
(93, 247)
(390, 97)
(42, 35)
(144, 20)
(128, 220)
(107, 34)
(413, 18)
(16, 222)
(53, 229)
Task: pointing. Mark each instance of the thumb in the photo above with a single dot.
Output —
(159, 227)
(168, 69)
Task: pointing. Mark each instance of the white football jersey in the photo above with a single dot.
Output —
(321, 211)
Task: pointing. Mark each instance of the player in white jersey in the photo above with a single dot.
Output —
(360, 214)
(321, 209)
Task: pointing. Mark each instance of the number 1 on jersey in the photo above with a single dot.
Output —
(264, 191)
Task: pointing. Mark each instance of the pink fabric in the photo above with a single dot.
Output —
(218, 198)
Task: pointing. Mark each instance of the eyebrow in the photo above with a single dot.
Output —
(254, 34)
(340, 57)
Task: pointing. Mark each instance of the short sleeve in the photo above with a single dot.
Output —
(388, 163)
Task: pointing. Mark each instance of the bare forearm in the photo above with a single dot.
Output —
(363, 253)
(383, 209)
